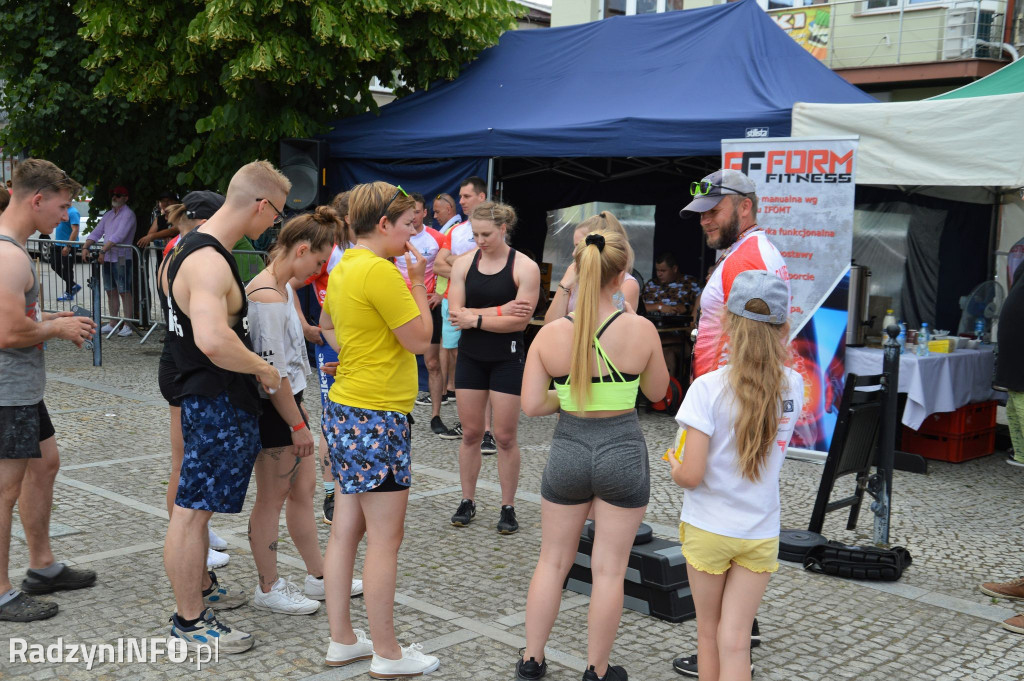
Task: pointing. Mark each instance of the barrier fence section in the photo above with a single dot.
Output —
(121, 297)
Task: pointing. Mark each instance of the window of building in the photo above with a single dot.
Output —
(615, 8)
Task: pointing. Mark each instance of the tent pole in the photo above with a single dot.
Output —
(490, 178)
(993, 234)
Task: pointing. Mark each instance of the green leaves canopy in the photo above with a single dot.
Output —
(162, 93)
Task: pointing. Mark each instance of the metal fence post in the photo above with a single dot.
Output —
(887, 435)
(96, 284)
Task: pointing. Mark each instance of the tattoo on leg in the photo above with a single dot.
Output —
(265, 582)
(248, 532)
(295, 471)
(273, 545)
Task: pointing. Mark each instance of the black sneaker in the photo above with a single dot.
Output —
(67, 579)
(437, 425)
(424, 400)
(451, 396)
(464, 516)
(507, 524)
(528, 670)
(755, 635)
(613, 674)
(329, 509)
(453, 433)
(488, 446)
(687, 666)
(445, 400)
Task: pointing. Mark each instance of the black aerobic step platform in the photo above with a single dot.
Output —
(673, 605)
(658, 564)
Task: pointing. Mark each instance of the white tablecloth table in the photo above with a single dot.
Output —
(938, 382)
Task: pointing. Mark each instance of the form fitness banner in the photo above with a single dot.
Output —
(805, 189)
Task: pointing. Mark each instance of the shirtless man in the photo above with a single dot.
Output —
(209, 341)
(28, 448)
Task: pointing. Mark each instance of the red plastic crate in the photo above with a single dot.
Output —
(968, 419)
(952, 448)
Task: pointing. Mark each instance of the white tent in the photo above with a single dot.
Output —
(969, 149)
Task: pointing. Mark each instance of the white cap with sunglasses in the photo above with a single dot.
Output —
(709, 191)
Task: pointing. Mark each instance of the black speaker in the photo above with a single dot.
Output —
(304, 162)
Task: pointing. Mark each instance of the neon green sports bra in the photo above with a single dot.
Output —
(612, 391)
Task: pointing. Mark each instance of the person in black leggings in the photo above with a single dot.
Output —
(492, 295)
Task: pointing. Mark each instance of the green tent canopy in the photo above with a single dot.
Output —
(1006, 80)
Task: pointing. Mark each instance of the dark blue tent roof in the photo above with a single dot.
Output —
(670, 84)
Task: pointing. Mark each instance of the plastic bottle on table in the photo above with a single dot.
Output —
(902, 337)
(888, 320)
(923, 336)
(979, 330)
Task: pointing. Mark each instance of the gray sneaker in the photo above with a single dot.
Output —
(208, 630)
(221, 597)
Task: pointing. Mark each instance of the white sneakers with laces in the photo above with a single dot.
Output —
(314, 588)
(413, 663)
(216, 543)
(284, 598)
(340, 654)
(216, 559)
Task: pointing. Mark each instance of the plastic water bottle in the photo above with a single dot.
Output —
(902, 337)
(888, 320)
(979, 330)
(923, 336)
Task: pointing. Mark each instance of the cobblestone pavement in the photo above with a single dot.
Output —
(461, 592)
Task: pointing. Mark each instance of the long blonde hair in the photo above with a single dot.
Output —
(606, 221)
(757, 355)
(596, 266)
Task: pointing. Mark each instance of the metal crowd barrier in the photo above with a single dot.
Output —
(87, 297)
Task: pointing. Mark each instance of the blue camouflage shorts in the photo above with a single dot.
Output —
(366, 444)
(221, 444)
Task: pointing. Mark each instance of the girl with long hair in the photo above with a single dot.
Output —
(285, 470)
(598, 358)
(738, 421)
(566, 295)
(491, 298)
(377, 324)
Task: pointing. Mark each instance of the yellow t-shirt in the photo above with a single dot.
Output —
(366, 299)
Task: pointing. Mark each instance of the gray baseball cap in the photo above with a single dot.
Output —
(720, 183)
(201, 205)
(760, 285)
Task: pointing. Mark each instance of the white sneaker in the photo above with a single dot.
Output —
(413, 663)
(339, 654)
(107, 328)
(216, 559)
(125, 331)
(216, 542)
(284, 598)
(314, 588)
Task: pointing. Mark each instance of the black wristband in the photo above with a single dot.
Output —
(479, 320)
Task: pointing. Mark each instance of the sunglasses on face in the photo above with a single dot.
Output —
(280, 216)
(704, 187)
(401, 191)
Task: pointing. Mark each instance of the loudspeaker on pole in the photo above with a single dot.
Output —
(304, 162)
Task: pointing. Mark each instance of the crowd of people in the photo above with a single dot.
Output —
(235, 367)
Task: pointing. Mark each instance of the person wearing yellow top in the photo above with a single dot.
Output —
(377, 325)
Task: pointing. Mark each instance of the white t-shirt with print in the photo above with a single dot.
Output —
(276, 334)
(725, 502)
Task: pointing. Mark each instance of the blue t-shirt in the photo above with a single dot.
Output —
(63, 231)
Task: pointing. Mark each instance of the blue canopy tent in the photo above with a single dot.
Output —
(626, 109)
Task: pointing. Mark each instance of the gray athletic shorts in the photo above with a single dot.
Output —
(602, 457)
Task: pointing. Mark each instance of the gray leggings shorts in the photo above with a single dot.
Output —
(602, 457)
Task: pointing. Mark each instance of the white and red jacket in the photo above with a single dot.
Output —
(752, 251)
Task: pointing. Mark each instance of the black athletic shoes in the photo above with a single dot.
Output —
(488, 446)
(508, 524)
(465, 514)
(529, 670)
(329, 508)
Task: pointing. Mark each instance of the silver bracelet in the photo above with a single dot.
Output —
(415, 285)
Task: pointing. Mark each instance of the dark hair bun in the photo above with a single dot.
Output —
(325, 215)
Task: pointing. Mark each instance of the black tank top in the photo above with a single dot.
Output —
(491, 290)
(197, 374)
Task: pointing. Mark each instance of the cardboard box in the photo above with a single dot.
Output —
(943, 345)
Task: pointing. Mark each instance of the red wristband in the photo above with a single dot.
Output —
(299, 426)
(498, 308)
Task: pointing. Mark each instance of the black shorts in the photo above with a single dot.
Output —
(167, 374)
(502, 376)
(22, 428)
(389, 484)
(274, 432)
(435, 335)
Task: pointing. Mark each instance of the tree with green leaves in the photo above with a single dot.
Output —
(158, 93)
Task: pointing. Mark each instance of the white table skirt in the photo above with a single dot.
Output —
(938, 382)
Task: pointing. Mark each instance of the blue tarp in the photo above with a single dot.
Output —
(671, 84)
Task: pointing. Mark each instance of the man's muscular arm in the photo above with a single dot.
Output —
(205, 281)
(443, 263)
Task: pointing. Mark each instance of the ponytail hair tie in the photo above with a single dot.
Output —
(595, 240)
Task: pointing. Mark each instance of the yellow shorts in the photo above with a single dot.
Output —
(715, 553)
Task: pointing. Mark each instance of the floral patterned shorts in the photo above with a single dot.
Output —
(365, 445)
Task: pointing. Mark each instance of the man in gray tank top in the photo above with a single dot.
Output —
(42, 194)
